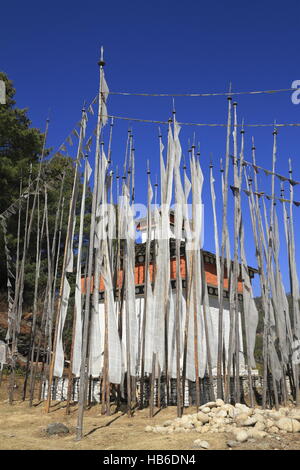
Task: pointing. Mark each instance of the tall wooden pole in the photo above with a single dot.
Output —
(223, 247)
(72, 208)
(178, 235)
(236, 259)
(244, 267)
(17, 305)
(146, 282)
(82, 384)
(294, 283)
(205, 303)
(188, 284)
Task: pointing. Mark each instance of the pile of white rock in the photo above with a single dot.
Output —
(242, 421)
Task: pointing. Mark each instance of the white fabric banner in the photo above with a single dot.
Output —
(59, 356)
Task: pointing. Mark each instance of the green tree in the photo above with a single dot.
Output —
(20, 145)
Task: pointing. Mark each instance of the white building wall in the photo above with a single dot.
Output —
(212, 320)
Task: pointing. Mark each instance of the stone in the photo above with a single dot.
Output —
(206, 409)
(295, 414)
(188, 426)
(275, 415)
(218, 421)
(183, 424)
(219, 402)
(273, 429)
(198, 424)
(241, 436)
(148, 428)
(227, 406)
(202, 444)
(210, 404)
(250, 421)
(269, 423)
(256, 434)
(222, 413)
(259, 418)
(169, 422)
(260, 426)
(232, 443)
(243, 409)
(202, 417)
(57, 428)
(205, 428)
(229, 409)
(185, 418)
(239, 405)
(205, 445)
(288, 424)
(241, 418)
(162, 430)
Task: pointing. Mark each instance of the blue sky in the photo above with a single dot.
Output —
(50, 51)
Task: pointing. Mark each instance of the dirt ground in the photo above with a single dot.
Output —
(22, 428)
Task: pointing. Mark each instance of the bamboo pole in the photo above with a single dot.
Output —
(38, 262)
(154, 278)
(260, 247)
(258, 238)
(188, 285)
(236, 259)
(18, 231)
(195, 286)
(177, 328)
(205, 314)
(178, 236)
(294, 283)
(33, 368)
(146, 281)
(78, 274)
(152, 382)
(128, 356)
(70, 374)
(36, 282)
(105, 384)
(269, 267)
(223, 245)
(17, 305)
(90, 263)
(242, 247)
(68, 241)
